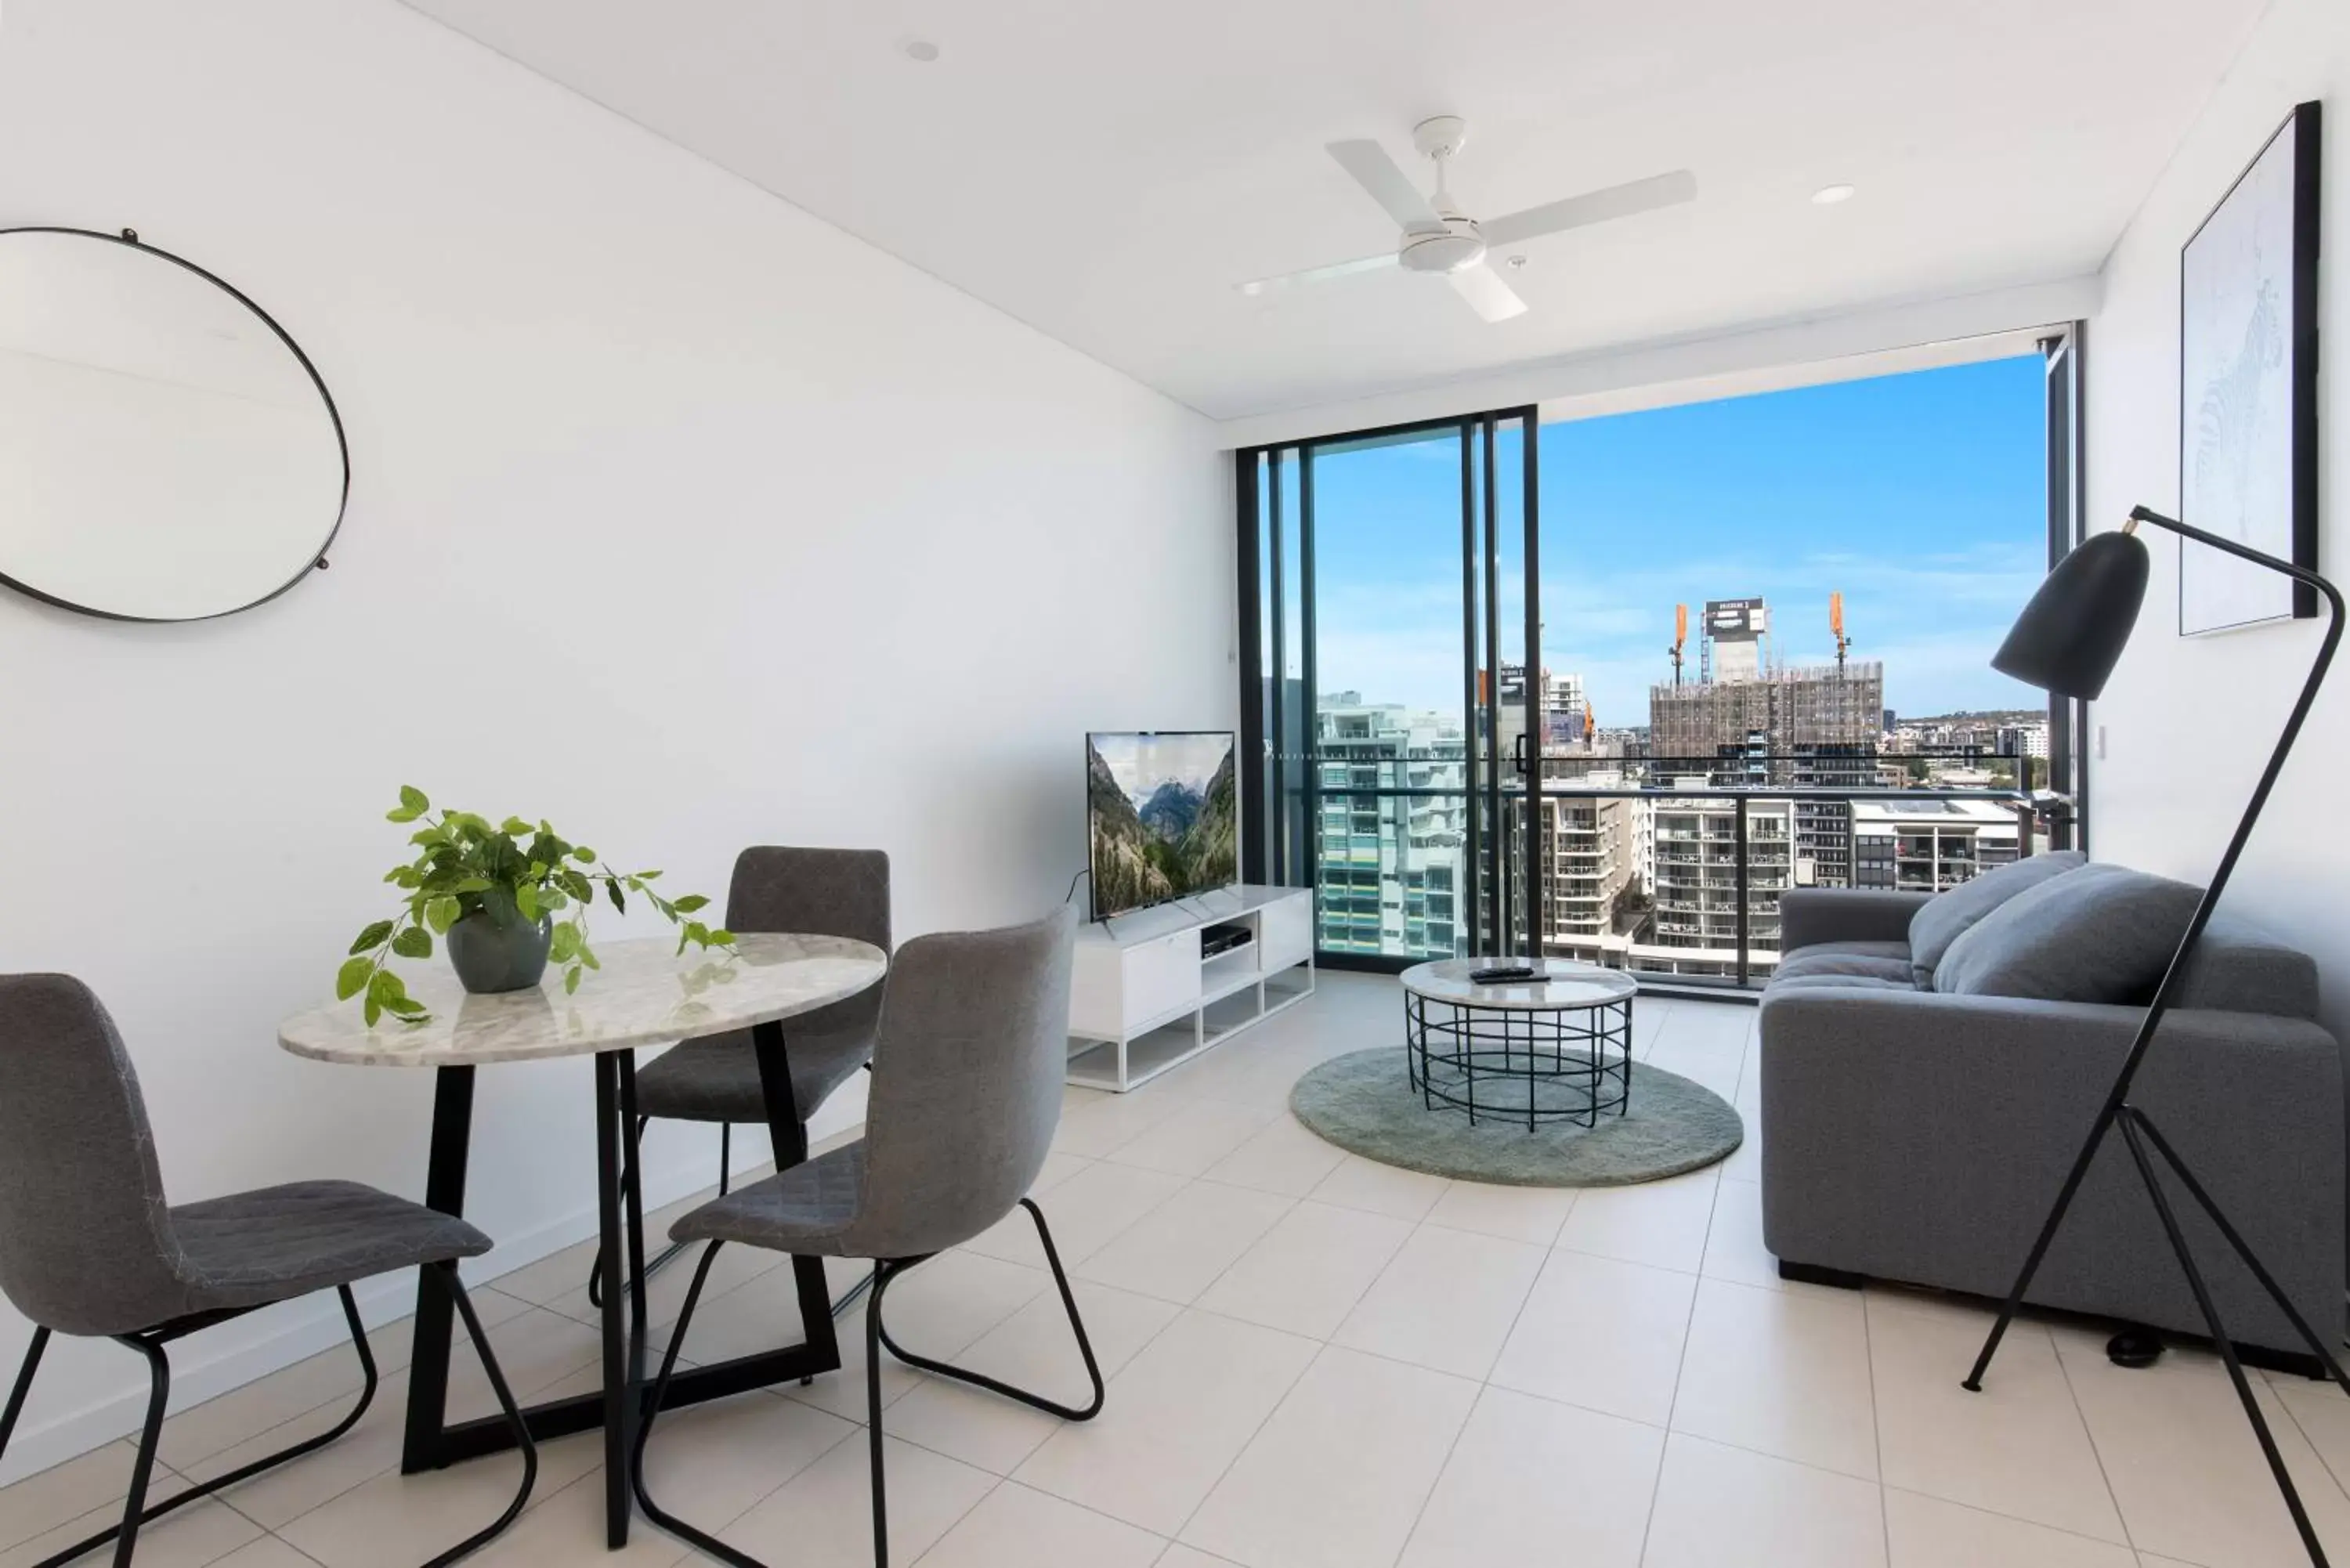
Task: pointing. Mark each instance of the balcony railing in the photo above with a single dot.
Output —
(1704, 907)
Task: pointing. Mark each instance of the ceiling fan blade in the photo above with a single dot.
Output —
(1592, 207)
(1487, 294)
(1318, 274)
(1377, 172)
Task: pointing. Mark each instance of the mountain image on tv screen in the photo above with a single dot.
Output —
(1162, 813)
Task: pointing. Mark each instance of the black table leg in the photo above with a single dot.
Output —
(789, 1138)
(619, 1392)
(633, 1215)
(444, 1190)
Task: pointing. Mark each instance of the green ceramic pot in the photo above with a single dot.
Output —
(500, 951)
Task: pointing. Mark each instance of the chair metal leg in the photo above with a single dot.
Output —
(24, 1385)
(446, 1273)
(882, 1273)
(134, 1507)
(1069, 1303)
(245, 1472)
(628, 1184)
(686, 1533)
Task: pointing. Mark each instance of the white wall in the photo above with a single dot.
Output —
(677, 516)
(2189, 721)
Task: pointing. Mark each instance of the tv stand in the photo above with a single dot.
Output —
(1143, 998)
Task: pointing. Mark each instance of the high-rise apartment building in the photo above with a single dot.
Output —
(1696, 886)
(1391, 865)
(1926, 845)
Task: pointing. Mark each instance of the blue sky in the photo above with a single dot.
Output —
(1919, 496)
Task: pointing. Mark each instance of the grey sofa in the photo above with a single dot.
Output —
(1918, 1135)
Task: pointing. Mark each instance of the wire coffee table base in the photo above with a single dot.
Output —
(1571, 1064)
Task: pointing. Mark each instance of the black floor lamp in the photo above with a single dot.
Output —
(2067, 641)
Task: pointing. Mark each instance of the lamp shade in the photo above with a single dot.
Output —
(2071, 635)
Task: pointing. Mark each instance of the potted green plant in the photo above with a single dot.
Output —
(508, 897)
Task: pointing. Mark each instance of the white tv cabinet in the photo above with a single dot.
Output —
(1142, 1000)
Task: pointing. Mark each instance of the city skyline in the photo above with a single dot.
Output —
(1919, 497)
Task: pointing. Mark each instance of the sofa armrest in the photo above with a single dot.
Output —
(1810, 915)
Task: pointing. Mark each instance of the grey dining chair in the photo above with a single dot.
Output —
(822, 892)
(89, 1245)
(967, 1073)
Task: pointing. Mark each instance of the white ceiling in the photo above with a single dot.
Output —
(1107, 170)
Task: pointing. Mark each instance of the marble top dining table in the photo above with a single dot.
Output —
(646, 994)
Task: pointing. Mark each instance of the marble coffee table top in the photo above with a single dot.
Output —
(647, 993)
(1572, 984)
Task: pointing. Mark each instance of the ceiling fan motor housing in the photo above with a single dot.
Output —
(1448, 249)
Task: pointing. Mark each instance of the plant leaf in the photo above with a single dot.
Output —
(443, 913)
(570, 980)
(690, 903)
(372, 938)
(407, 1007)
(414, 942)
(527, 901)
(721, 938)
(374, 1012)
(612, 889)
(412, 805)
(514, 826)
(352, 977)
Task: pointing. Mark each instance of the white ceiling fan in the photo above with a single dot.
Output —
(1438, 237)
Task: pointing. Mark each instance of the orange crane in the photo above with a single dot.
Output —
(1835, 625)
(1590, 725)
(1680, 636)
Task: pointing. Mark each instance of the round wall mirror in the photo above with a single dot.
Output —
(166, 452)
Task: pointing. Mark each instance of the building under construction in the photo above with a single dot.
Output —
(1753, 721)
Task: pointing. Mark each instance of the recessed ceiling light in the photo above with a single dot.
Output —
(1829, 195)
(920, 50)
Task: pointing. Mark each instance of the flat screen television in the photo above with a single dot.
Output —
(1162, 816)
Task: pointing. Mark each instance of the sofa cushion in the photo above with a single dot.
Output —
(1807, 984)
(1949, 916)
(1882, 960)
(2095, 933)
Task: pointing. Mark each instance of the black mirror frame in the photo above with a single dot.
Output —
(129, 238)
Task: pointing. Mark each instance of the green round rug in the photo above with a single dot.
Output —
(1364, 1103)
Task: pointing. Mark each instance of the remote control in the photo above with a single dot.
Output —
(1500, 973)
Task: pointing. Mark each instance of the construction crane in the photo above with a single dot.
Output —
(1590, 725)
(1680, 636)
(1835, 625)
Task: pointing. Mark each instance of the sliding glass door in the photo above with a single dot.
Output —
(1388, 704)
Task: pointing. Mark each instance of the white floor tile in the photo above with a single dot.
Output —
(1195, 1138)
(1718, 1505)
(1181, 1412)
(1734, 1242)
(1086, 1212)
(1181, 1556)
(1600, 1333)
(1927, 1532)
(1033, 1349)
(1059, 1167)
(1514, 1213)
(1282, 1157)
(1366, 1184)
(63, 1493)
(1531, 1480)
(275, 1498)
(1108, 1121)
(2189, 1473)
(1781, 1372)
(1179, 1248)
(200, 1534)
(1660, 1223)
(1307, 1273)
(1446, 1300)
(1014, 1527)
(822, 1517)
(2019, 1447)
(1336, 1477)
(396, 1522)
